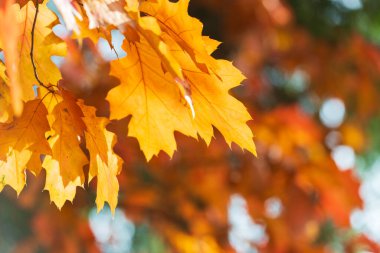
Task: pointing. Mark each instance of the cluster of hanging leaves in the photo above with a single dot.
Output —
(59, 120)
(185, 199)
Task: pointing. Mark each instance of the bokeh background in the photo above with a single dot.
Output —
(313, 90)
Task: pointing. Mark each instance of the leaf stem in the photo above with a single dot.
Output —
(32, 50)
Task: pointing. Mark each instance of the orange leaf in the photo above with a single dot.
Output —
(151, 96)
(64, 167)
(18, 140)
(104, 163)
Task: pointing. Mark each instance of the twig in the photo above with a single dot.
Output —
(32, 50)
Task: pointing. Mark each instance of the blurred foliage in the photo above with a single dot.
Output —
(335, 21)
(295, 54)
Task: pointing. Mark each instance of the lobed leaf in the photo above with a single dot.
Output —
(104, 163)
(19, 140)
(168, 82)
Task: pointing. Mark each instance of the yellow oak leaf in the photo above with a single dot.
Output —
(108, 185)
(46, 45)
(104, 163)
(58, 191)
(67, 128)
(171, 61)
(19, 140)
(12, 170)
(150, 95)
(64, 167)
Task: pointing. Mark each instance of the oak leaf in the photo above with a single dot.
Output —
(64, 167)
(104, 163)
(152, 98)
(59, 191)
(67, 129)
(168, 82)
(19, 140)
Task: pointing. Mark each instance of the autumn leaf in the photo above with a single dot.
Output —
(59, 191)
(64, 166)
(167, 92)
(156, 107)
(168, 82)
(19, 140)
(67, 128)
(104, 163)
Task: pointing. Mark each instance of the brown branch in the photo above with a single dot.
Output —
(32, 50)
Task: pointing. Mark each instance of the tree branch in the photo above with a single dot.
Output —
(32, 49)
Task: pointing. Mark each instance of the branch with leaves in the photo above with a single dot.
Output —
(168, 82)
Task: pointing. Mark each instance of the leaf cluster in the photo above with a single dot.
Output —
(59, 119)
